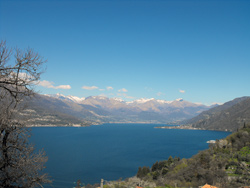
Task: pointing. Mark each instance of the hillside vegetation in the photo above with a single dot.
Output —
(227, 117)
(225, 164)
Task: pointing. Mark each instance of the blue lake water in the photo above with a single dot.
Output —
(112, 151)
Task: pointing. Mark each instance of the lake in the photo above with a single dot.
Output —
(113, 151)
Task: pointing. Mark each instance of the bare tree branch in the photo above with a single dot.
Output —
(19, 166)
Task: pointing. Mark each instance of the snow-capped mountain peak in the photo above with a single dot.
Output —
(118, 99)
(69, 97)
(180, 99)
(98, 97)
(76, 99)
(164, 102)
(58, 95)
(142, 100)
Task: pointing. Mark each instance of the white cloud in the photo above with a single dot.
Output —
(149, 89)
(124, 95)
(49, 84)
(199, 103)
(46, 84)
(23, 75)
(160, 94)
(89, 87)
(123, 90)
(129, 97)
(109, 88)
(63, 87)
(182, 91)
(103, 95)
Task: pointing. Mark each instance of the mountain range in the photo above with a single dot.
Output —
(60, 110)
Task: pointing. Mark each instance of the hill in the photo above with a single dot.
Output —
(225, 164)
(227, 117)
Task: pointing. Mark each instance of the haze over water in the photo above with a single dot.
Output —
(112, 151)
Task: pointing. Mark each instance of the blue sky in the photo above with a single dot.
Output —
(198, 50)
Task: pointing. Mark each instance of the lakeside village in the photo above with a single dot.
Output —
(133, 182)
(185, 127)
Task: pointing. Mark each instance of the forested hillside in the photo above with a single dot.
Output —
(227, 117)
(225, 164)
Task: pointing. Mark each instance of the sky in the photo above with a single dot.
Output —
(198, 50)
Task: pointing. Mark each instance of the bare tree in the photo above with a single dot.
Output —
(20, 166)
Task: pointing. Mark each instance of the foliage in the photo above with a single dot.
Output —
(143, 171)
(226, 158)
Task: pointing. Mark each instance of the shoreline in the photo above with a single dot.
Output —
(164, 126)
(187, 127)
(179, 127)
(88, 125)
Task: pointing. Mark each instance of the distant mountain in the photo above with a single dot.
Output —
(43, 110)
(69, 97)
(229, 116)
(67, 110)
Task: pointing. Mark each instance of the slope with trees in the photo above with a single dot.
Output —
(227, 117)
(225, 164)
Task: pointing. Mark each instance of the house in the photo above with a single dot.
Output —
(208, 186)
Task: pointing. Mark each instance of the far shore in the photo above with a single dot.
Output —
(161, 125)
(87, 125)
(179, 127)
(187, 127)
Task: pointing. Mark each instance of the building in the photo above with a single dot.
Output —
(208, 186)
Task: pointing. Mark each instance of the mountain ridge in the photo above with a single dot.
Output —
(100, 109)
(227, 117)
